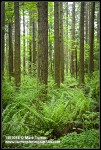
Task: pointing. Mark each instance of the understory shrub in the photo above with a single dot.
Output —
(26, 114)
(87, 139)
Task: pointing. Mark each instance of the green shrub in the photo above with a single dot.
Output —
(93, 84)
(8, 93)
(87, 139)
(25, 114)
(91, 120)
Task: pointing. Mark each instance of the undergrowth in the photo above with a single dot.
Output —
(67, 108)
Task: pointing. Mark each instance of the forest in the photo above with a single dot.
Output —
(50, 74)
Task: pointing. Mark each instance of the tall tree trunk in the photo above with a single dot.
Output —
(2, 33)
(73, 39)
(89, 23)
(10, 51)
(24, 57)
(6, 48)
(86, 25)
(50, 34)
(67, 37)
(50, 51)
(30, 46)
(13, 44)
(76, 69)
(27, 46)
(82, 43)
(34, 46)
(17, 45)
(98, 26)
(61, 43)
(10, 56)
(86, 34)
(91, 40)
(56, 44)
(43, 42)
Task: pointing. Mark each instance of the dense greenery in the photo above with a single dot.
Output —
(24, 114)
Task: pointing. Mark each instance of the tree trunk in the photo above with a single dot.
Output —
(10, 56)
(17, 45)
(76, 69)
(61, 43)
(86, 34)
(91, 40)
(73, 39)
(27, 46)
(67, 37)
(50, 52)
(10, 52)
(86, 25)
(6, 48)
(2, 33)
(82, 43)
(30, 46)
(89, 23)
(24, 57)
(98, 26)
(34, 47)
(43, 42)
(56, 44)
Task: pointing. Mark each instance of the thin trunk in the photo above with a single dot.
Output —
(89, 23)
(73, 39)
(98, 26)
(34, 47)
(3, 33)
(61, 43)
(27, 46)
(10, 52)
(86, 22)
(30, 47)
(91, 63)
(6, 48)
(10, 56)
(86, 33)
(82, 43)
(24, 57)
(50, 51)
(76, 70)
(56, 44)
(17, 45)
(67, 37)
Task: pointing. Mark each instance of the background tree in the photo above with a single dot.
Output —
(6, 47)
(86, 34)
(98, 25)
(73, 39)
(43, 42)
(91, 40)
(61, 43)
(3, 32)
(67, 37)
(82, 43)
(24, 57)
(56, 44)
(17, 45)
(86, 22)
(30, 44)
(10, 28)
(51, 37)
(34, 44)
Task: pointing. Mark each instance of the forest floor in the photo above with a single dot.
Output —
(68, 117)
